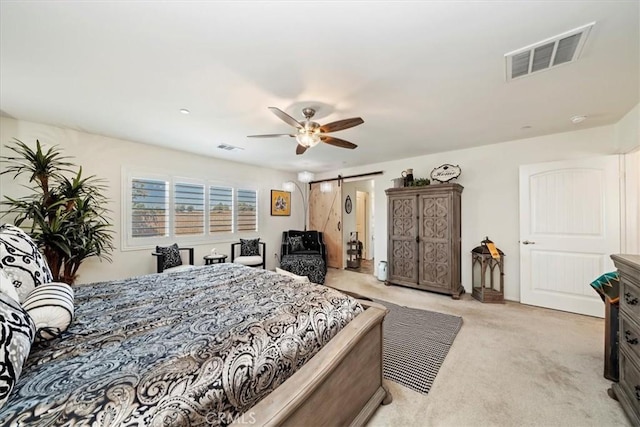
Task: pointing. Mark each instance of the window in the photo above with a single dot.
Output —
(149, 208)
(220, 209)
(161, 209)
(189, 207)
(247, 210)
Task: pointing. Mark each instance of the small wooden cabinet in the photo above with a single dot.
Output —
(627, 391)
(423, 247)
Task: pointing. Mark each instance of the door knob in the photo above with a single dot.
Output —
(526, 242)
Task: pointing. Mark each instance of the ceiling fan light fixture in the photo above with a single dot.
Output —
(305, 176)
(326, 187)
(309, 133)
(308, 138)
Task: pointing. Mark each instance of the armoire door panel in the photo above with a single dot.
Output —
(435, 237)
(402, 239)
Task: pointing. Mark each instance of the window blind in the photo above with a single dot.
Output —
(189, 209)
(149, 208)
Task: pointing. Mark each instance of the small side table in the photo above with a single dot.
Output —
(214, 259)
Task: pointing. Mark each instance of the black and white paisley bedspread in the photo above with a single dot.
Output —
(194, 348)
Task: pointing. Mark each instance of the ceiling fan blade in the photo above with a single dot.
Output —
(270, 135)
(300, 149)
(286, 118)
(341, 124)
(338, 142)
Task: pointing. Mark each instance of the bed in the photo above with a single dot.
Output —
(213, 345)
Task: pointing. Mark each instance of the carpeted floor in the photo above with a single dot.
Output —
(416, 343)
(510, 365)
(366, 267)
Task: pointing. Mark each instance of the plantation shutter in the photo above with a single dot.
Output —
(220, 209)
(247, 210)
(149, 208)
(189, 209)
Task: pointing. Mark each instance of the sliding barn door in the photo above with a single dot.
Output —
(325, 214)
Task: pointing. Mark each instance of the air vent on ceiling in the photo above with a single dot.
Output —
(561, 49)
(229, 147)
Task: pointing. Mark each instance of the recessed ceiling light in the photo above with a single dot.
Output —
(578, 119)
(184, 111)
(527, 127)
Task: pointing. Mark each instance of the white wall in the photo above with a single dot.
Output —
(106, 157)
(627, 131)
(490, 197)
(627, 138)
(630, 238)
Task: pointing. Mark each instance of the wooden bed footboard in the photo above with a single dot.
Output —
(339, 386)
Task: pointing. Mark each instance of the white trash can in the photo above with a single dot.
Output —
(382, 271)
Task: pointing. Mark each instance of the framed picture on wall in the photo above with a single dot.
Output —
(280, 203)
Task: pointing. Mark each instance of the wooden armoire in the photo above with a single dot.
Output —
(423, 248)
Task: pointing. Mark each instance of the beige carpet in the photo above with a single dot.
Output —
(510, 365)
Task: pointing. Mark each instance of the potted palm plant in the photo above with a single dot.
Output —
(65, 216)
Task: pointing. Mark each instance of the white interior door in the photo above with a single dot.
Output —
(361, 222)
(569, 225)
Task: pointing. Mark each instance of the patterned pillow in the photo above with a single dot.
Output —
(51, 308)
(6, 286)
(16, 337)
(21, 261)
(171, 256)
(249, 247)
(296, 243)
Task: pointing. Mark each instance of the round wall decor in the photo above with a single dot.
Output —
(347, 205)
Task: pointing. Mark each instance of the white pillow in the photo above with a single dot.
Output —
(51, 308)
(303, 279)
(6, 286)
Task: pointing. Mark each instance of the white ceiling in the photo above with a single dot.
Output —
(425, 76)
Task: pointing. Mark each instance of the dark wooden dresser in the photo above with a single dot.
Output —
(628, 389)
(423, 248)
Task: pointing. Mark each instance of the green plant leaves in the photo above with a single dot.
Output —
(66, 216)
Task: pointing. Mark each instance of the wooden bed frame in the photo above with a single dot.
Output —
(341, 385)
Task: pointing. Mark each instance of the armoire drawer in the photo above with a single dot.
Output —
(630, 382)
(630, 338)
(629, 297)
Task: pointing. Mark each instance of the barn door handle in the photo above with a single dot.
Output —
(526, 242)
(627, 335)
(638, 392)
(629, 300)
(339, 225)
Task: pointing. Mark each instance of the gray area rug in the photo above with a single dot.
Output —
(415, 344)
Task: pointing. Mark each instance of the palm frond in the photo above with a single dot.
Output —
(67, 217)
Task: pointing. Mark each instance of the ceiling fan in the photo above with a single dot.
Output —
(310, 134)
